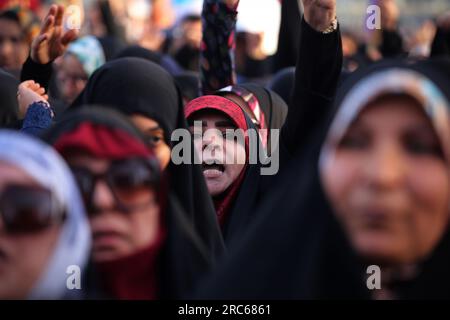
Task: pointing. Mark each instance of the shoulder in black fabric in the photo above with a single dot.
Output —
(283, 83)
(8, 100)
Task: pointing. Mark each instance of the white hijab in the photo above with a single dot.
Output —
(44, 164)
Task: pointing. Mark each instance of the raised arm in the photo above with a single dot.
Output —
(51, 43)
(319, 66)
(218, 44)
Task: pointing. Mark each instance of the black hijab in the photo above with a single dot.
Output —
(136, 86)
(283, 83)
(188, 82)
(165, 61)
(8, 100)
(297, 250)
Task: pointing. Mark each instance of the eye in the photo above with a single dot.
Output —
(15, 40)
(420, 146)
(154, 140)
(355, 140)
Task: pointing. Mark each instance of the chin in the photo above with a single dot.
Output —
(215, 190)
(380, 251)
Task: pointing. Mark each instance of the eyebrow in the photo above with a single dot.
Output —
(220, 123)
(225, 124)
(153, 129)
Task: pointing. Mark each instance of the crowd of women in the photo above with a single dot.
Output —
(87, 176)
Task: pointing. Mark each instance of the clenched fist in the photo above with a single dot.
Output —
(319, 14)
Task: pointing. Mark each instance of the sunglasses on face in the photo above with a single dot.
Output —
(25, 209)
(125, 179)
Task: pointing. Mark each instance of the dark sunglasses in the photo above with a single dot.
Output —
(124, 178)
(29, 209)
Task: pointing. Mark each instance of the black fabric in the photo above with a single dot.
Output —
(297, 249)
(165, 61)
(188, 82)
(441, 43)
(8, 100)
(137, 51)
(40, 73)
(287, 51)
(188, 57)
(392, 44)
(320, 59)
(111, 46)
(186, 258)
(136, 86)
(283, 83)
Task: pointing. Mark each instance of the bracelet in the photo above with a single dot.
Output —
(333, 27)
(47, 106)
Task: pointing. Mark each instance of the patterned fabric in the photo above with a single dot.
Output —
(38, 118)
(89, 52)
(253, 103)
(217, 48)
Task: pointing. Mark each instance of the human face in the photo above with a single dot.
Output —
(117, 234)
(223, 159)
(13, 48)
(23, 256)
(388, 183)
(72, 78)
(155, 135)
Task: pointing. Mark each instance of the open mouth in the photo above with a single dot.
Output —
(213, 170)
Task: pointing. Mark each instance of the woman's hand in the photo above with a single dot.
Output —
(51, 42)
(319, 14)
(29, 92)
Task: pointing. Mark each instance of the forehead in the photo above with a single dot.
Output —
(85, 160)
(393, 109)
(209, 115)
(8, 27)
(11, 174)
(144, 121)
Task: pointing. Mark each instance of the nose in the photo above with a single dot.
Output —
(102, 198)
(384, 168)
(212, 140)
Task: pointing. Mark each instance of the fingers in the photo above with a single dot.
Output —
(59, 16)
(26, 84)
(33, 86)
(40, 39)
(47, 24)
(69, 36)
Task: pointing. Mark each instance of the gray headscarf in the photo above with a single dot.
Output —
(44, 164)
